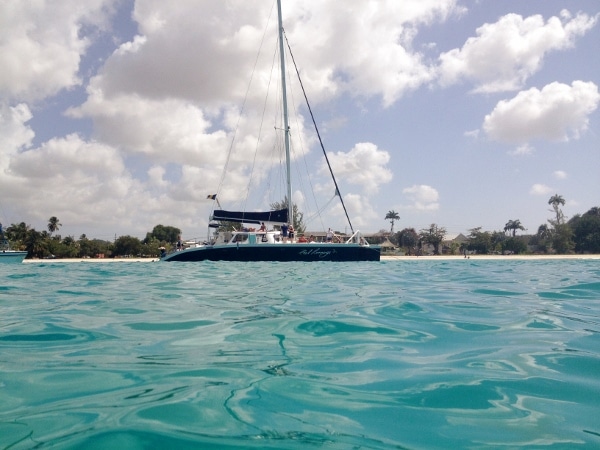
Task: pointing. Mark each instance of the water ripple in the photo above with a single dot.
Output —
(401, 354)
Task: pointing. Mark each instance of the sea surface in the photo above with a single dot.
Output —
(408, 354)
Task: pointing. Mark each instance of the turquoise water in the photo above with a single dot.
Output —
(397, 354)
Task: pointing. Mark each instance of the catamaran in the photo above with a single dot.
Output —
(269, 242)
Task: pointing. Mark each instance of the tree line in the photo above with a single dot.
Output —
(580, 234)
(49, 244)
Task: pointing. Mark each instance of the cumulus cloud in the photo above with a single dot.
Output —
(506, 53)
(91, 187)
(524, 149)
(15, 135)
(422, 197)
(360, 209)
(364, 165)
(540, 189)
(558, 112)
(376, 58)
(161, 130)
(41, 45)
(560, 174)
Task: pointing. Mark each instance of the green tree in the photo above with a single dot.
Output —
(434, 235)
(408, 239)
(479, 241)
(53, 224)
(562, 235)
(562, 238)
(17, 233)
(543, 238)
(392, 216)
(586, 231)
(556, 201)
(514, 245)
(513, 226)
(34, 244)
(164, 234)
(298, 224)
(127, 246)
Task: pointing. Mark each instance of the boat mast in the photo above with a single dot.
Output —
(285, 118)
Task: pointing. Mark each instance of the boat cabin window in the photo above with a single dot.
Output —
(240, 237)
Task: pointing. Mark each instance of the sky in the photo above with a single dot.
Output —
(118, 115)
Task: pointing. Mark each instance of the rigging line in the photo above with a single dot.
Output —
(230, 150)
(337, 190)
(260, 132)
(318, 213)
(303, 154)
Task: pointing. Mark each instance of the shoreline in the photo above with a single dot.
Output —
(487, 257)
(383, 258)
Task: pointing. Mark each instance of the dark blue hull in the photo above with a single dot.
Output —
(278, 252)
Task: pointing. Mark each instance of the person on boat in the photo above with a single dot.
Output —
(302, 239)
(179, 244)
(329, 236)
(262, 227)
(284, 232)
(291, 232)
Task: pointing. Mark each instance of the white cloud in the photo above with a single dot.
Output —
(423, 197)
(376, 58)
(161, 130)
(360, 209)
(560, 174)
(14, 134)
(364, 165)
(41, 44)
(156, 176)
(524, 149)
(540, 189)
(473, 134)
(506, 53)
(87, 185)
(557, 112)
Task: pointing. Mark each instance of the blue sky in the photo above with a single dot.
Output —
(117, 115)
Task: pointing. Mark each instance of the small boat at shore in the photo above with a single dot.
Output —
(11, 256)
(270, 242)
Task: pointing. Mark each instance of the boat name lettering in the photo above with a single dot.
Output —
(316, 252)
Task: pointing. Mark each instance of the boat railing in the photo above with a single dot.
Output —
(357, 238)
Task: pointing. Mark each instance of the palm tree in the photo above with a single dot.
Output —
(544, 232)
(556, 201)
(433, 235)
(34, 243)
(53, 224)
(17, 232)
(392, 216)
(513, 225)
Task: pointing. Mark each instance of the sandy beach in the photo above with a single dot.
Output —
(383, 258)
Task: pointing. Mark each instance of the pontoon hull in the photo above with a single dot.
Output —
(278, 252)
